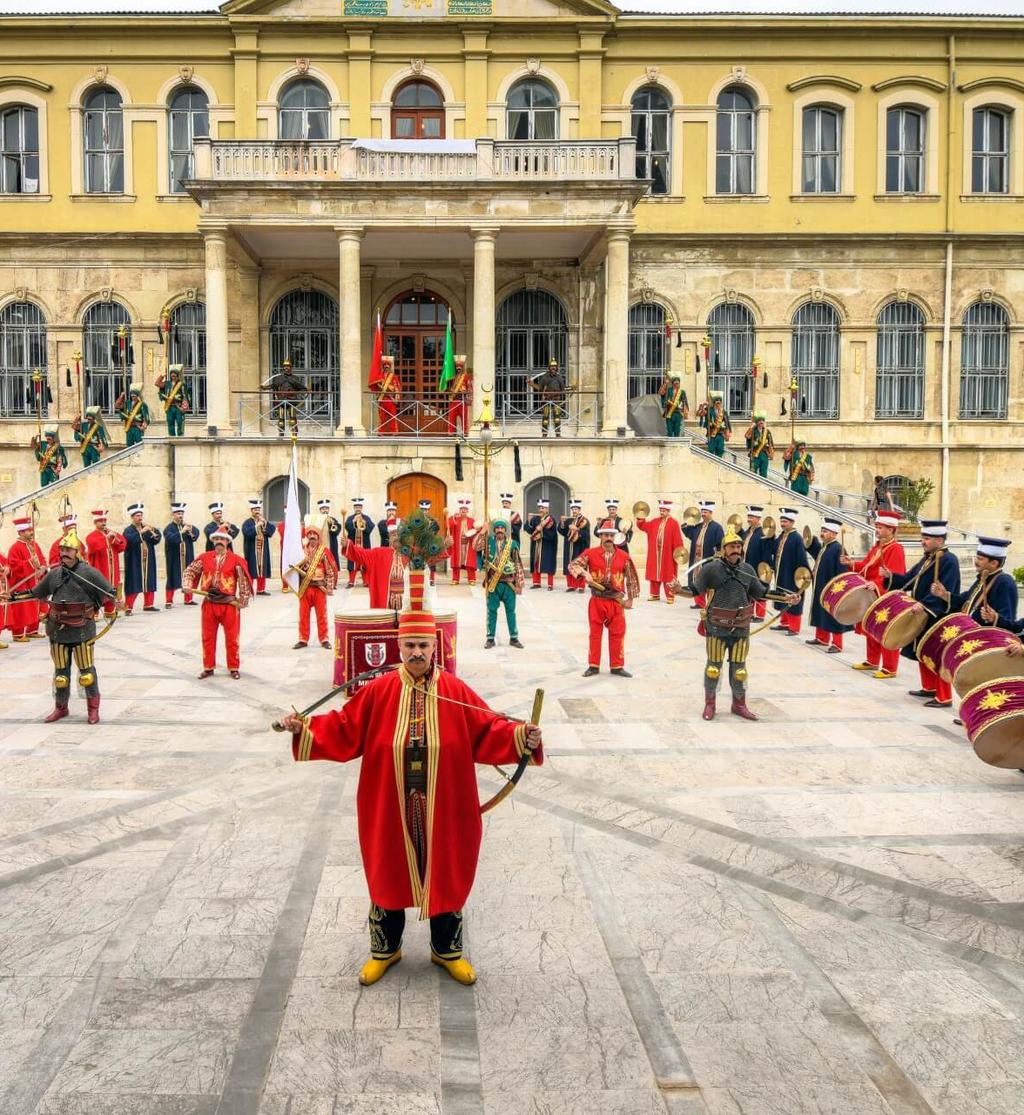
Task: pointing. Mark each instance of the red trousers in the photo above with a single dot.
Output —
(387, 411)
(760, 609)
(536, 579)
(575, 582)
(147, 600)
(656, 591)
(610, 614)
(169, 596)
(470, 573)
(825, 637)
(876, 654)
(261, 584)
(932, 682)
(23, 617)
(230, 618)
(313, 600)
(457, 415)
(793, 623)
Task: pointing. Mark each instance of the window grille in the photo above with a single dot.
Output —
(899, 379)
(815, 359)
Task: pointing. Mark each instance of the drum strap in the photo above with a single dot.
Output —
(979, 597)
(931, 561)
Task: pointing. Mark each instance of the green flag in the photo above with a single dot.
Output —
(448, 368)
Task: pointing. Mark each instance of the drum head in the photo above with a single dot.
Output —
(904, 629)
(854, 603)
(1001, 744)
(986, 666)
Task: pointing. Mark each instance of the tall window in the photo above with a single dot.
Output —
(984, 361)
(815, 359)
(990, 151)
(822, 139)
(188, 348)
(648, 349)
(417, 112)
(731, 329)
(22, 350)
(19, 150)
(734, 165)
(899, 380)
(904, 150)
(652, 118)
(304, 111)
(188, 119)
(532, 111)
(103, 126)
(531, 327)
(107, 362)
(304, 329)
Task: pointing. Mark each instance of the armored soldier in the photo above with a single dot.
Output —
(550, 388)
(286, 391)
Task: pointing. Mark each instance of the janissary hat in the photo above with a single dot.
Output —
(666, 503)
(220, 536)
(416, 620)
(506, 497)
(100, 515)
(888, 518)
(789, 513)
(993, 547)
(176, 507)
(755, 510)
(607, 527)
(833, 525)
(216, 506)
(134, 509)
(390, 505)
(21, 525)
(706, 504)
(68, 521)
(934, 528)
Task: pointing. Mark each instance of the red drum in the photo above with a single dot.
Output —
(369, 638)
(934, 641)
(891, 620)
(847, 597)
(979, 656)
(993, 716)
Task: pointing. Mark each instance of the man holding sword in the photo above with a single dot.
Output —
(222, 579)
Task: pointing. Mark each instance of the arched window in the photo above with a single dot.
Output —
(652, 120)
(304, 111)
(815, 359)
(19, 150)
(984, 361)
(531, 328)
(304, 329)
(103, 142)
(188, 348)
(731, 329)
(822, 144)
(275, 496)
(187, 120)
(417, 112)
(904, 149)
(532, 110)
(648, 349)
(22, 350)
(737, 141)
(990, 150)
(899, 377)
(107, 357)
(547, 487)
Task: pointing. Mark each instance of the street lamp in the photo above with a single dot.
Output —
(484, 446)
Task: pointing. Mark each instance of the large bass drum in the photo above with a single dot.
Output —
(847, 597)
(993, 716)
(932, 644)
(979, 656)
(892, 621)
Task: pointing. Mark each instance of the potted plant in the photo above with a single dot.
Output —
(912, 499)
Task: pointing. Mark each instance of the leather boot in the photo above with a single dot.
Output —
(93, 705)
(709, 708)
(59, 712)
(739, 708)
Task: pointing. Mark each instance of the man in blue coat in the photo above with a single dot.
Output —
(937, 565)
(390, 513)
(257, 532)
(140, 560)
(705, 540)
(358, 529)
(333, 528)
(827, 553)
(992, 599)
(575, 529)
(179, 552)
(788, 555)
(543, 533)
(754, 548)
(218, 522)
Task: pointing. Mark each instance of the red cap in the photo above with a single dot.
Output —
(416, 620)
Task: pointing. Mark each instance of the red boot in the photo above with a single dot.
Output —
(59, 712)
(709, 708)
(93, 705)
(739, 708)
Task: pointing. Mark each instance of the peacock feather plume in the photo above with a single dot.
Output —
(419, 542)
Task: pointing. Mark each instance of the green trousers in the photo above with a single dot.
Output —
(504, 594)
(90, 456)
(801, 485)
(133, 436)
(716, 445)
(759, 465)
(47, 476)
(674, 425)
(175, 422)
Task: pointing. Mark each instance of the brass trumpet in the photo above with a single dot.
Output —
(691, 516)
(641, 510)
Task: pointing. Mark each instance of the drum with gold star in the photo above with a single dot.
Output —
(847, 597)
(993, 716)
(978, 656)
(892, 620)
(933, 642)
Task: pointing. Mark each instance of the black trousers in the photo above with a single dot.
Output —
(387, 927)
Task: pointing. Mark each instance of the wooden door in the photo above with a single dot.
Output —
(409, 489)
(414, 334)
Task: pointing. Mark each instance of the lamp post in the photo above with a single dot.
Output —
(486, 439)
(77, 357)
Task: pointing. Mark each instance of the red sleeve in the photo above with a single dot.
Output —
(356, 554)
(896, 559)
(119, 543)
(337, 735)
(494, 738)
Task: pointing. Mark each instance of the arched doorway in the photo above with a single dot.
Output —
(417, 111)
(275, 492)
(546, 487)
(414, 334)
(407, 491)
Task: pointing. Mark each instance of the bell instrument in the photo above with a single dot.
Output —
(691, 516)
(768, 527)
(806, 535)
(641, 509)
(734, 522)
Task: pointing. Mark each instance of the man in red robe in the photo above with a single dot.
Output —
(462, 529)
(384, 566)
(663, 538)
(318, 577)
(611, 576)
(27, 568)
(887, 552)
(419, 733)
(103, 549)
(460, 393)
(221, 578)
(389, 391)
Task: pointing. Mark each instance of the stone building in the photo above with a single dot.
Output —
(841, 197)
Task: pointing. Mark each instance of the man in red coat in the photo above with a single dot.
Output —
(663, 538)
(4, 583)
(318, 578)
(385, 568)
(103, 549)
(611, 576)
(221, 578)
(887, 553)
(419, 733)
(27, 568)
(462, 530)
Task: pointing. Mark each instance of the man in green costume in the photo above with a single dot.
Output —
(760, 446)
(799, 467)
(91, 435)
(50, 455)
(716, 423)
(134, 413)
(176, 399)
(675, 407)
(503, 580)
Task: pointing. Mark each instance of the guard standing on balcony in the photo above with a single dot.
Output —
(675, 407)
(176, 399)
(550, 388)
(389, 391)
(760, 446)
(286, 391)
(460, 395)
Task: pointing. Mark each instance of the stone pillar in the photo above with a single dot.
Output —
(351, 322)
(616, 330)
(483, 311)
(218, 379)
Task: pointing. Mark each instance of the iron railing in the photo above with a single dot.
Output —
(257, 413)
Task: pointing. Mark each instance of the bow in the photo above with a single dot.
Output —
(111, 620)
(511, 781)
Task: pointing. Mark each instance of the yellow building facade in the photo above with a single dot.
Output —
(840, 197)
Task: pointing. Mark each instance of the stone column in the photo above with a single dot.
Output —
(616, 330)
(218, 379)
(351, 321)
(483, 311)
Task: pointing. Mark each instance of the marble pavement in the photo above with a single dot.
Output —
(820, 912)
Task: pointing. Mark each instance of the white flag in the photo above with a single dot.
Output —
(291, 549)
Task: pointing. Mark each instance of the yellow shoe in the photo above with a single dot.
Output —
(373, 969)
(863, 666)
(3, 646)
(21, 638)
(460, 970)
(883, 674)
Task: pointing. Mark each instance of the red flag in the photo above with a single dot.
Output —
(376, 367)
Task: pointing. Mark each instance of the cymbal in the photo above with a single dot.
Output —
(691, 516)
(735, 522)
(679, 554)
(768, 527)
(765, 572)
(807, 536)
(802, 578)
(641, 510)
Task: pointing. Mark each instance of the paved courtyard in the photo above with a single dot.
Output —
(820, 912)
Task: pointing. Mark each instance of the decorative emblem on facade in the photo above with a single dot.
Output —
(305, 281)
(191, 294)
(652, 73)
(739, 73)
(533, 65)
(646, 291)
(417, 65)
(419, 282)
(902, 295)
(817, 294)
(99, 74)
(302, 65)
(987, 295)
(186, 73)
(731, 296)
(106, 294)
(531, 280)
(21, 294)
